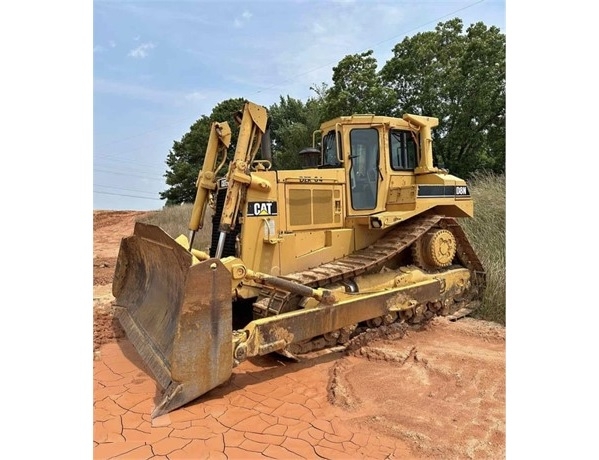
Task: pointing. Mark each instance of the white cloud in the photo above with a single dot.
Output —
(101, 49)
(131, 90)
(195, 96)
(141, 51)
(245, 17)
(317, 28)
(205, 99)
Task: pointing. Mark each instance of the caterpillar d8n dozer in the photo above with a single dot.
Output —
(365, 234)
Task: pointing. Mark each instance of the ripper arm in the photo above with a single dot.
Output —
(252, 122)
(218, 143)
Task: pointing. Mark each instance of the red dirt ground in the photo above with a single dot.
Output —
(437, 392)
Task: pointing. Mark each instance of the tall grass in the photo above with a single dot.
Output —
(174, 220)
(486, 232)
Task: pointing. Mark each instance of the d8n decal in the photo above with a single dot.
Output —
(461, 190)
(443, 191)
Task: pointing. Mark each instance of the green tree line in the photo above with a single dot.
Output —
(454, 74)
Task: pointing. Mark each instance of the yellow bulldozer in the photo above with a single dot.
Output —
(363, 235)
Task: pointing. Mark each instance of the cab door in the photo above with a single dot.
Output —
(364, 173)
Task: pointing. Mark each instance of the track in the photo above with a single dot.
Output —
(372, 259)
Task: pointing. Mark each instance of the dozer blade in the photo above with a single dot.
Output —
(176, 312)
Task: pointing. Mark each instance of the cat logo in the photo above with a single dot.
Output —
(262, 208)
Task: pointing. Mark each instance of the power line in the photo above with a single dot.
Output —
(131, 164)
(121, 188)
(151, 130)
(130, 196)
(127, 174)
(114, 156)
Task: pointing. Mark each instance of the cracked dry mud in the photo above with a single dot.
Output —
(437, 392)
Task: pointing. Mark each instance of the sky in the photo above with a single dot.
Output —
(158, 66)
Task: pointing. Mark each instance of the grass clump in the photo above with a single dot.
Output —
(486, 233)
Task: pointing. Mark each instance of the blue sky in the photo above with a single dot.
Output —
(158, 66)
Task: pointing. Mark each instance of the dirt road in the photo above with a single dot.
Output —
(437, 392)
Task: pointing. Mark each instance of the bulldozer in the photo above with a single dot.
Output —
(364, 235)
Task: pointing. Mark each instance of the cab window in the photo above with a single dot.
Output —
(329, 150)
(403, 150)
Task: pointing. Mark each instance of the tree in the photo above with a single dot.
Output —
(460, 79)
(186, 157)
(291, 126)
(357, 88)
